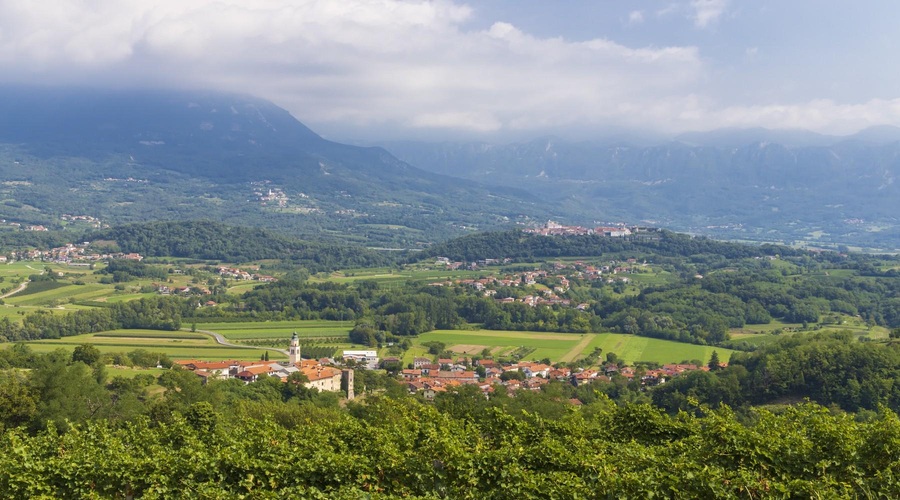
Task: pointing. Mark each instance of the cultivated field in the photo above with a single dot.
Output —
(176, 345)
(571, 346)
(308, 329)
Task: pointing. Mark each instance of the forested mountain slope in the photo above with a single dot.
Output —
(138, 155)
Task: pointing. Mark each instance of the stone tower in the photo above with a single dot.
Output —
(294, 350)
(347, 382)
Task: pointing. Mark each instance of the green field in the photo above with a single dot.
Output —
(61, 294)
(386, 277)
(555, 346)
(176, 345)
(759, 334)
(279, 329)
(152, 334)
(546, 345)
(632, 348)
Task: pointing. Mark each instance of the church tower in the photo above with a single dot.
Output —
(294, 350)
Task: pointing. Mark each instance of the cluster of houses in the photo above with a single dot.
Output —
(557, 282)
(555, 229)
(240, 274)
(163, 289)
(320, 373)
(429, 378)
(471, 265)
(71, 254)
(274, 196)
(93, 221)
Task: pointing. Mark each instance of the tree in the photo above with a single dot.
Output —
(295, 387)
(512, 375)
(364, 333)
(202, 417)
(17, 403)
(87, 354)
(714, 363)
(434, 346)
(66, 393)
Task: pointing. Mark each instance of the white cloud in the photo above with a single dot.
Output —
(707, 12)
(391, 66)
(364, 62)
(823, 115)
(635, 17)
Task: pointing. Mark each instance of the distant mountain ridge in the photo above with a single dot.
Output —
(131, 156)
(136, 155)
(753, 184)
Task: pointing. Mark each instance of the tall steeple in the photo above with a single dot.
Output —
(294, 350)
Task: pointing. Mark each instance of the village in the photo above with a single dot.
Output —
(553, 283)
(617, 231)
(69, 254)
(430, 376)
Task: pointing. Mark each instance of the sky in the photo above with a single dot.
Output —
(369, 70)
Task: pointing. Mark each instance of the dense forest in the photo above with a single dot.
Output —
(522, 246)
(214, 241)
(203, 240)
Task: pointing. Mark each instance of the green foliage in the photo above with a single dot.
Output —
(122, 270)
(830, 369)
(434, 347)
(364, 334)
(214, 241)
(400, 448)
(87, 354)
(162, 313)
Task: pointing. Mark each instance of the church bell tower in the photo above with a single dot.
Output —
(294, 350)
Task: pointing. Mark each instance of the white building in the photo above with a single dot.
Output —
(368, 358)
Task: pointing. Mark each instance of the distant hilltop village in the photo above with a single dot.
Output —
(555, 229)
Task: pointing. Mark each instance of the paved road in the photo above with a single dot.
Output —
(222, 341)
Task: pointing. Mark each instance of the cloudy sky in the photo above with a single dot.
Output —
(511, 69)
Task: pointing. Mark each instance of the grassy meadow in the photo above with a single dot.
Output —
(306, 329)
(569, 346)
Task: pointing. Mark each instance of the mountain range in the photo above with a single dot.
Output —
(137, 155)
(755, 184)
(122, 156)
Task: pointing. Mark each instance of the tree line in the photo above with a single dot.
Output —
(157, 313)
